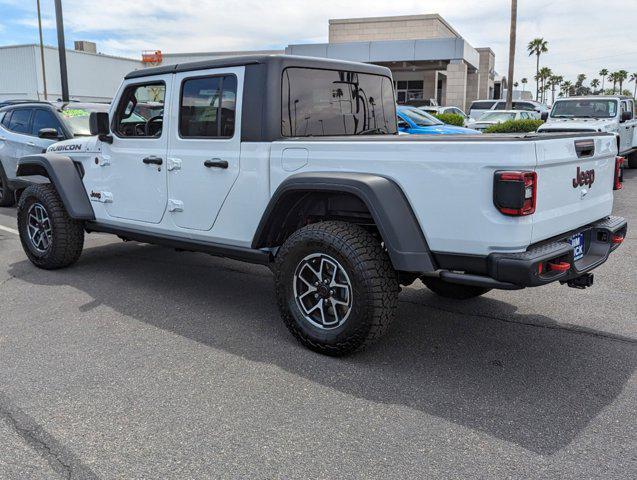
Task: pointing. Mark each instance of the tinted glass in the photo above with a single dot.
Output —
(481, 105)
(208, 107)
(332, 102)
(523, 106)
(19, 122)
(584, 109)
(143, 102)
(44, 119)
(5, 119)
(420, 118)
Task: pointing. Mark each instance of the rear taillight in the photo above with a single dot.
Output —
(515, 193)
(619, 173)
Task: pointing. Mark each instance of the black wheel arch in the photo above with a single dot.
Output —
(382, 198)
(66, 176)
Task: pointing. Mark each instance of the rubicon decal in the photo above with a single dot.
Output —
(66, 148)
(586, 177)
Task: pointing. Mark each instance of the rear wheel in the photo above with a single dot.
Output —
(336, 289)
(7, 198)
(453, 290)
(50, 238)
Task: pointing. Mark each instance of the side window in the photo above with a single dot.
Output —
(19, 121)
(44, 119)
(524, 115)
(500, 106)
(523, 106)
(481, 105)
(5, 119)
(207, 107)
(140, 112)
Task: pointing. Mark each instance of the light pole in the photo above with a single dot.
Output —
(42, 50)
(61, 50)
(514, 15)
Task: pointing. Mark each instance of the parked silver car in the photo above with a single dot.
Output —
(29, 128)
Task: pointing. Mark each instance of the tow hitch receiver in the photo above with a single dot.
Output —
(581, 282)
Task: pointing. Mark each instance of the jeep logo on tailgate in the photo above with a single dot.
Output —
(586, 177)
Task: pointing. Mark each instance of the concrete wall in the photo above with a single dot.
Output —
(407, 27)
(486, 66)
(456, 84)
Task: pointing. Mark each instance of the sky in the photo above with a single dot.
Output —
(583, 35)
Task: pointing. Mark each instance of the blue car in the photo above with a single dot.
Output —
(415, 121)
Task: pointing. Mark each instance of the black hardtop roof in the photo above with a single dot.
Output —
(283, 61)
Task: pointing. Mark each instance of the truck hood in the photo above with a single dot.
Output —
(75, 145)
(579, 124)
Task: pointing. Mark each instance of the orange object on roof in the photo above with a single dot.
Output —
(151, 56)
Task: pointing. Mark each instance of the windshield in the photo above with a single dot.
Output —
(584, 109)
(420, 118)
(497, 116)
(76, 118)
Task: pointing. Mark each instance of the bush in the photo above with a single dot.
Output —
(515, 126)
(450, 119)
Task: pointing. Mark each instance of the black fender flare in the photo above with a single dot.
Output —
(65, 176)
(385, 200)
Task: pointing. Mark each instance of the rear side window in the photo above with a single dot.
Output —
(523, 106)
(208, 106)
(336, 102)
(5, 119)
(44, 119)
(19, 121)
(500, 106)
(481, 105)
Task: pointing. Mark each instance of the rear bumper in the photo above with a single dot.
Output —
(535, 267)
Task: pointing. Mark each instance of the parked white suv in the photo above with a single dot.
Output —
(613, 114)
(295, 163)
(480, 107)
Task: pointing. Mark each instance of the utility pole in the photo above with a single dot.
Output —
(42, 50)
(61, 50)
(514, 17)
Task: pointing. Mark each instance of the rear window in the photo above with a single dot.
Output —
(481, 105)
(336, 102)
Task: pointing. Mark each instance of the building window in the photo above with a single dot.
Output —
(407, 90)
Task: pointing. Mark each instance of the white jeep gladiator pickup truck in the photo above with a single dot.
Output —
(613, 114)
(296, 163)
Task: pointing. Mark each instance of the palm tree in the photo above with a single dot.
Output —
(543, 75)
(554, 81)
(537, 47)
(622, 75)
(566, 87)
(579, 83)
(613, 78)
(633, 78)
(525, 80)
(603, 73)
(594, 84)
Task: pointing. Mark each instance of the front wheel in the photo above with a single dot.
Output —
(336, 289)
(50, 238)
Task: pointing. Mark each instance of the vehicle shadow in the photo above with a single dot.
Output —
(514, 378)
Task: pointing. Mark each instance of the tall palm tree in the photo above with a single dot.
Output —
(594, 84)
(543, 75)
(566, 87)
(622, 75)
(633, 78)
(554, 81)
(603, 73)
(613, 78)
(537, 47)
(524, 81)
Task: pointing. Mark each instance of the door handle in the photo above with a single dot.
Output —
(31, 144)
(215, 163)
(152, 160)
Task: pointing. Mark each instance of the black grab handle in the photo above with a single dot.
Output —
(215, 163)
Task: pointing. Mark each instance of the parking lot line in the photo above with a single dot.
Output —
(10, 230)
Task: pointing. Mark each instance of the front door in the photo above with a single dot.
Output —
(626, 127)
(204, 146)
(135, 163)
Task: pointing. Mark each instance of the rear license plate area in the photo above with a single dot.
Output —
(577, 242)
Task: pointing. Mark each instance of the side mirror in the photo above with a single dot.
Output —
(626, 116)
(544, 116)
(48, 133)
(99, 125)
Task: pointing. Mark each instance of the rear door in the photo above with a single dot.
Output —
(205, 144)
(574, 183)
(14, 137)
(626, 128)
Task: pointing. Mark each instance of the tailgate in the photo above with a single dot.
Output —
(575, 183)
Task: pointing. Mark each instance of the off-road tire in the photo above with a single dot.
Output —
(67, 234)
(453, 290)
(7, 196)
(374, 286)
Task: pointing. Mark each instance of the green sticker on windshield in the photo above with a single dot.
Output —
(75, 112)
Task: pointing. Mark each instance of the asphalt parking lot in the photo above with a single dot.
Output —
(142, 362)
